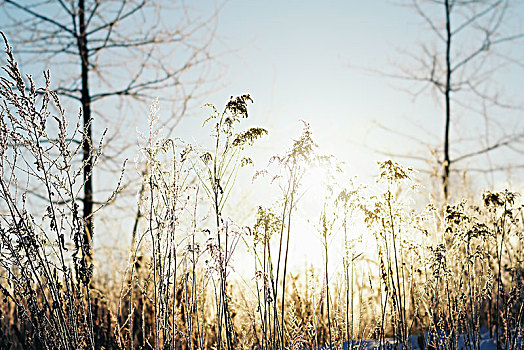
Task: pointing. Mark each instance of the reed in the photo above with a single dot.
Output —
(434, 277)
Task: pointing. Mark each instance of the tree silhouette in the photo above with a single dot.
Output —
(112, 48)
(472, 45)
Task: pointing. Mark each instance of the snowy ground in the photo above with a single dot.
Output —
(485, 344)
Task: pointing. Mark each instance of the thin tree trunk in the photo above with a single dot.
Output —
(446, 162)
(88, 138)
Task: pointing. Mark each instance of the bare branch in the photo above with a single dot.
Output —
(428, 20)
(489, 170)
(40, 16)
(118, 18)
(474, 18)
(492, 147)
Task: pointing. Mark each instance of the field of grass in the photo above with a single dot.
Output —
(435, 276)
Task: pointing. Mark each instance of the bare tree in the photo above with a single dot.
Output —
(112, 48)
(471, 51)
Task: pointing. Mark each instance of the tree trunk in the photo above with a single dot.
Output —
(447, 90)
(88, 138)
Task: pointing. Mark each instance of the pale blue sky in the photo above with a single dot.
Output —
(302, 60)
(305, 59)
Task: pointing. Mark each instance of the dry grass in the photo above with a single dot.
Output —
(448, 272)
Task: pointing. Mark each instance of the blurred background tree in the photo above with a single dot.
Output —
(464, 68)
(104, 53)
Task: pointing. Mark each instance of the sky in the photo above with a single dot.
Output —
(295, 60)
(325, 62)
(322, 61)
(319, 61)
